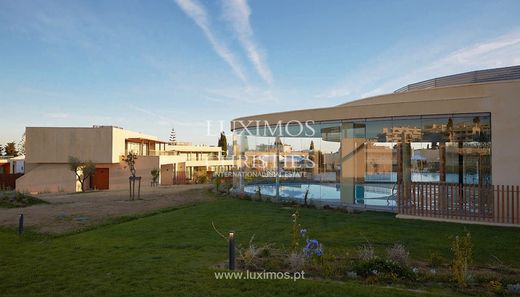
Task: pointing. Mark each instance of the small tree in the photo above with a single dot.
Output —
(222, 142)
(311, 147)
(173, 136)
(82, 170)
(10, 149)
(155, 176)
(130, 161)
(461, 248)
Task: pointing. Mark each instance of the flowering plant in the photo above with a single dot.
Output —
(313, 247)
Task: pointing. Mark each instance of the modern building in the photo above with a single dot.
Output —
(47, 152)
(461, 129)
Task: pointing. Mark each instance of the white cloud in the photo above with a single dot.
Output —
(198, 13)
(401, 66)
(237, 13)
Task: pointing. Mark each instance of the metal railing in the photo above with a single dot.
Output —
(479, 76)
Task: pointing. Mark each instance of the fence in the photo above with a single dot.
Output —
(488, 203)
(8, 181)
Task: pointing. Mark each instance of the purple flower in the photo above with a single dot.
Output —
(313, 247)
(303, 232)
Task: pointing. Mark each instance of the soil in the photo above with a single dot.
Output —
(67, 212)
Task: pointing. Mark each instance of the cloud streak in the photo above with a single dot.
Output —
(396, 69)
(237, 13)
(198, 13)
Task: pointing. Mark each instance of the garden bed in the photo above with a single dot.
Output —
(14, 199)
(393, 267)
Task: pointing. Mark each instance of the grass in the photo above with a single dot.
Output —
(12, 199)
(174, 253)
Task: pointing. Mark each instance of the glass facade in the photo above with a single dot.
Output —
(360, 161)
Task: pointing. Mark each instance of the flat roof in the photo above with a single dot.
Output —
(142, 140)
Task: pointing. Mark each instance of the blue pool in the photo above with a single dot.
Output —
(371, 194)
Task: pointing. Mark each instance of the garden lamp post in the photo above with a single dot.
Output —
(231, 247)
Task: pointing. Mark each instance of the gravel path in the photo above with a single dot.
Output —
(69, 212)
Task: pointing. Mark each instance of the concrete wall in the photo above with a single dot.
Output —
(119, 173)
(55, 145)
(501, 99)
(44, 178)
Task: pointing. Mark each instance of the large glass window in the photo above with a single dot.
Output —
(360, 161)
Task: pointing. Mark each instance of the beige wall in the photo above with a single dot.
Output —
(501, 99)
(119, 173)
(55, 145)
(45, 178)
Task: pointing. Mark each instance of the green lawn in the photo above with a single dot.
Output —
(172, 253)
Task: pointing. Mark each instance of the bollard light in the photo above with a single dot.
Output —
(231, 245)
(20, 224)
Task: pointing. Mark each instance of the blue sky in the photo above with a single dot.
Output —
(153, 65)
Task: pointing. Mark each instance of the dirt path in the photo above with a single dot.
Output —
(69, 212)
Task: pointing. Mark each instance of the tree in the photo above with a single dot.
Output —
(82, 170)
(21, 145)
(173, 136)
(155, 176)
(222, 142)
(130, 161)
(1, 150)
(10, 149)
(311, 147)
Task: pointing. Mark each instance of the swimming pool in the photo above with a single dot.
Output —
(367, 194)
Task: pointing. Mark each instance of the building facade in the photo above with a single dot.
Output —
(48, 150)
(461, 129)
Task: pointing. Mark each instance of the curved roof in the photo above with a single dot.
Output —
(479, 76)
(446, 96)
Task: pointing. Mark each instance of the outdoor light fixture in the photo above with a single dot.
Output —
(20, 224)
(231, 245)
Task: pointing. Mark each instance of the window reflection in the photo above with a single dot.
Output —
(360, 161)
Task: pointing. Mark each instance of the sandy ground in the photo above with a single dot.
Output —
(70, 212)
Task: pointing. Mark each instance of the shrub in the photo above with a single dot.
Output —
(366, 252)
(398, 253)
(218, 182)
(384, 269)
(296, 261)
(461, 248)
(155, 176)
(435, 260)
(496, 287)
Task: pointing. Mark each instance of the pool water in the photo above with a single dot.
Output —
(377, 195)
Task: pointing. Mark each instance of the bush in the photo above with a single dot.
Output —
(296, 261)
(435, 260)
(384, 269)
(366, 253)
(461, 248)
(398, 253)
(496, 287)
